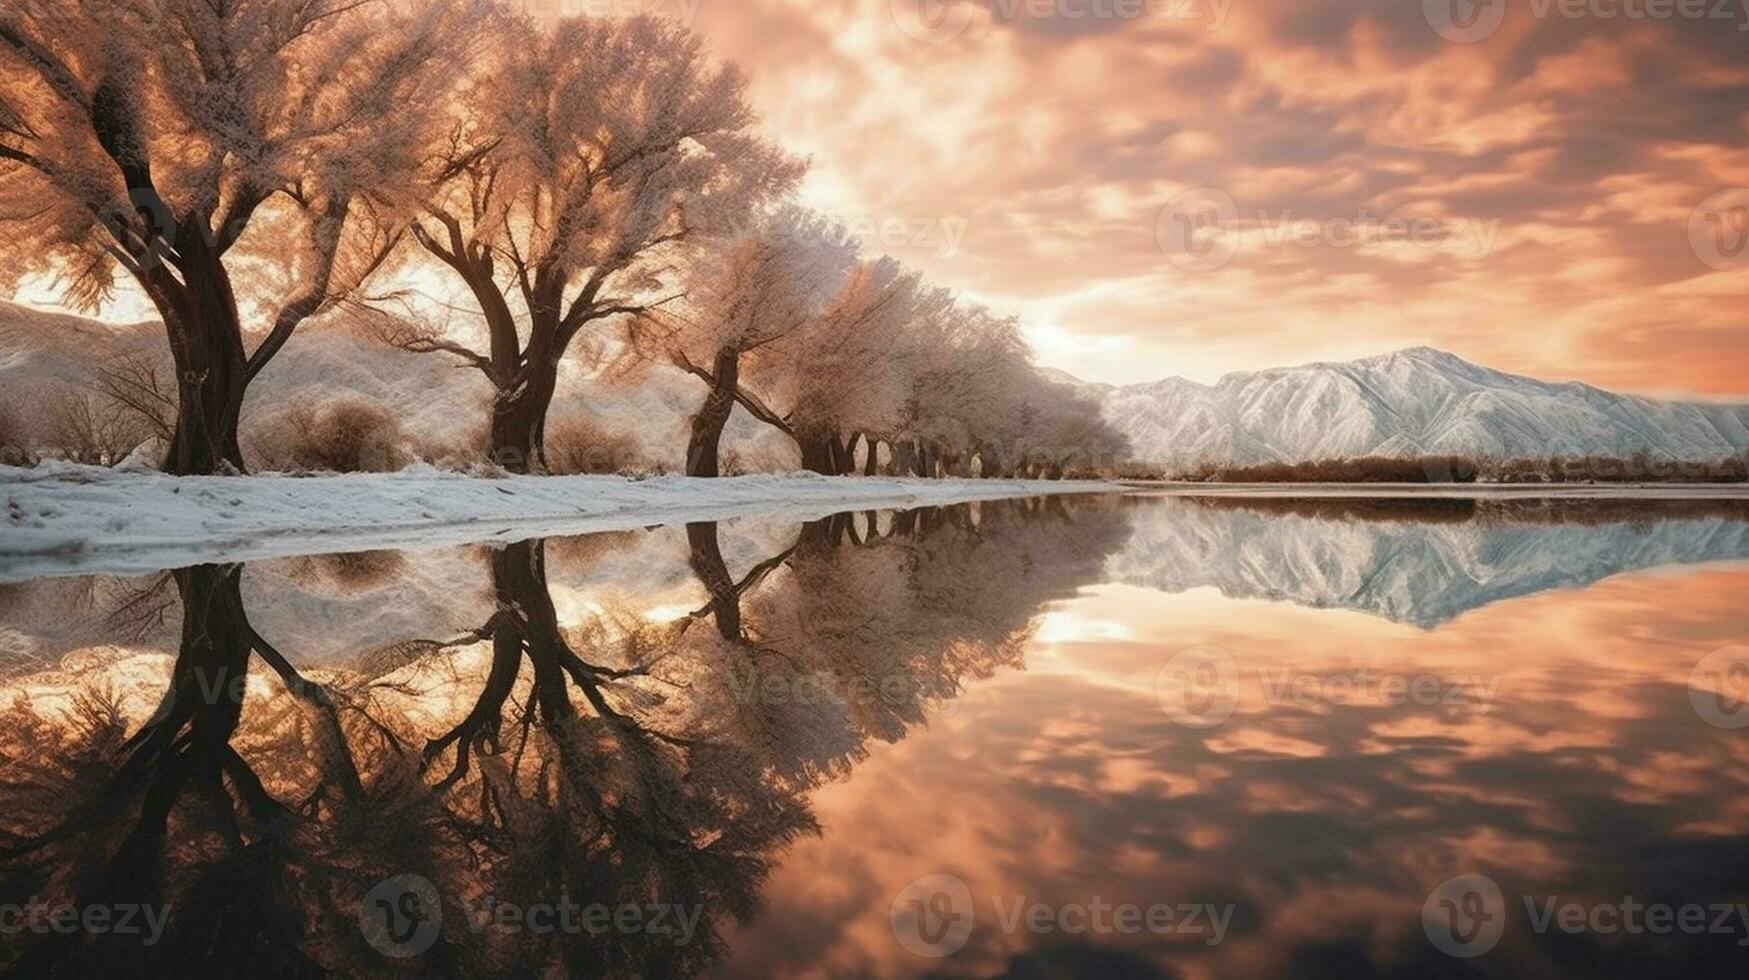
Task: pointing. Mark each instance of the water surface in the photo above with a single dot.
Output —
(1071, 737)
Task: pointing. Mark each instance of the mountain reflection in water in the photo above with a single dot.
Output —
(757, 735)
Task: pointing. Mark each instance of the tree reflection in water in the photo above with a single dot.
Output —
(616, 761)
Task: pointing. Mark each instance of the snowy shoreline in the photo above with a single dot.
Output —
(63, 519)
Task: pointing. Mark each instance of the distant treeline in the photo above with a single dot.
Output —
(1464, 510)
(1642, 467)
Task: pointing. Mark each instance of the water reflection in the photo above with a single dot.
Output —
(563, 752)
(729, 749)
(1417, 561)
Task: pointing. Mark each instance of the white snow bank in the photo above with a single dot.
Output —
(67, 519)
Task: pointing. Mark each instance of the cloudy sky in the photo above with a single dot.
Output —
(1193, 187)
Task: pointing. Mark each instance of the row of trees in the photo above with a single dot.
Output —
(846, 354)
(256, 164)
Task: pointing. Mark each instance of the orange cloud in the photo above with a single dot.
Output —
(1057, 134)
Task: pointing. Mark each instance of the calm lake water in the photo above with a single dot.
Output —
(1078, 737)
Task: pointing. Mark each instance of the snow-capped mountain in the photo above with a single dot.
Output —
(1414, 402)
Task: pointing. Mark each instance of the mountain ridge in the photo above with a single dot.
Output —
(1418, 401)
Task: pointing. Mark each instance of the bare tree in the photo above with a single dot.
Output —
(93, 429)
(241, 162)
(579, 165)
(141, 386)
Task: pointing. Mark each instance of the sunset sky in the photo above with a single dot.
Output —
(1547, 176)
(1556, 192)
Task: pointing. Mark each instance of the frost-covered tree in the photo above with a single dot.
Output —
(755, 303)
(975, 395)
(241, 162)
(968, 370)
(1066, 434)
(842, 373)
(581, 162)
(849, 380)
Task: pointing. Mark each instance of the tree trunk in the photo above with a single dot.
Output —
(850, 467)
(843, 456)
(817, 453)
(209, 407)
(904, 524)
(519, 420)
(703, 450)
(206, 344)
(872, 466)
(990, 463)
(707, 563)
(904, 458)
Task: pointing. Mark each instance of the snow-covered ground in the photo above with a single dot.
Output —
(65, 519)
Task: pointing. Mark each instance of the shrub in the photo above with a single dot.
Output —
(345, 435)
(356, 572)
(14, 441)
(579, 444)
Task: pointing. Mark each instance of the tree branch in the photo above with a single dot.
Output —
(757, 408)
